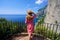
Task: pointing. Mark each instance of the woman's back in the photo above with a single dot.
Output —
(29, 19)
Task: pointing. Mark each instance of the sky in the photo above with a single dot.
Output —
(21, 6)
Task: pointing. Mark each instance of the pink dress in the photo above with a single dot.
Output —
(30, 25)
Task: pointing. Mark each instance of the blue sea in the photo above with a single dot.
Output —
(16, 18)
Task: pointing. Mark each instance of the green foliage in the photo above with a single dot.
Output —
(8, 28)
(42, 20)
(25, 28)
(41, 29)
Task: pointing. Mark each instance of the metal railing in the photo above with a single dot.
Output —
(48, 30)
(54, 27)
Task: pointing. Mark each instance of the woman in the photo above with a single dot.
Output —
(29, 21)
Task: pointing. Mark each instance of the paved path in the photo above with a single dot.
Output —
(25, 37)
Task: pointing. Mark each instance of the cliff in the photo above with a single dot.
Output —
(53, 12)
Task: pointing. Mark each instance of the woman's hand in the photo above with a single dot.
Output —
(33, 13)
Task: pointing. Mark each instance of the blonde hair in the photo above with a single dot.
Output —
(29, 17)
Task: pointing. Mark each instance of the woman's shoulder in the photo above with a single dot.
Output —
(28, 16)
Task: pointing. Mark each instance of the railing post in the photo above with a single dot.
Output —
(55, 37)
(53, 30)
(47, 29)
(50, 28)
(40, 27)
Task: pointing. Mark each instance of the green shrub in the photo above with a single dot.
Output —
(8, 28)
(42, 30)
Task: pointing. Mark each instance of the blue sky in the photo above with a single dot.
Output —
(20, 6)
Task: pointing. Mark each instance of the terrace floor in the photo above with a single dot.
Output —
(24, 36)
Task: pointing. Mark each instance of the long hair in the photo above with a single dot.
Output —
(29, 16)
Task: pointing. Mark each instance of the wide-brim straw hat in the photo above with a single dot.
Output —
(30, 12)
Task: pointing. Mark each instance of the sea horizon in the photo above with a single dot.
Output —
(16, 18)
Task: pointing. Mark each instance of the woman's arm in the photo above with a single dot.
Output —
(26, 20)
(34, 15)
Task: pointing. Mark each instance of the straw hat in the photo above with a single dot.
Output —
(30, 12)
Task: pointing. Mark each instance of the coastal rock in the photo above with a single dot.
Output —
(53, 12)
(41, 12)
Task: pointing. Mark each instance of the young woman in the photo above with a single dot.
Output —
(29, 21)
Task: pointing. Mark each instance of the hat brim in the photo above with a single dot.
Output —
(30, 12)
